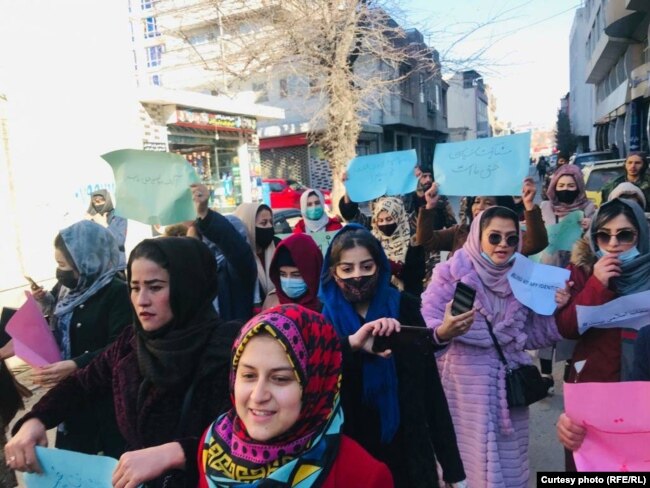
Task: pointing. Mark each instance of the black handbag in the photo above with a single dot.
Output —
(524, 385)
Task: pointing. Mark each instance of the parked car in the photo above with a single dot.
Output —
(285, 219)
(597, 175)
(593, 157)
(285, 193)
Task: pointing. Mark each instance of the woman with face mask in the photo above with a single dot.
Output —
(88, 309)
(390, 226)
(285, 424)
(295, 271)
(432, 237)
(102, 212)
(612, 260)
(258, 219)
(314, 218)
(168, 372)
(394, 406)
(493, 438)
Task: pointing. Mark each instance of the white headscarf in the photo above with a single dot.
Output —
(313, 225)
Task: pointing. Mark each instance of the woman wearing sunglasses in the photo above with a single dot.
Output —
(492, 439)
(612, 261)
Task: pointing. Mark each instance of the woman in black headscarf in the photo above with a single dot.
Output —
(168, 373)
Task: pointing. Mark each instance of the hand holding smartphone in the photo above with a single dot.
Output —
(463, 299)
(32, 283)
(408, 333)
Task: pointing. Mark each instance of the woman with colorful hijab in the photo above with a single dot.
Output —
(258, 219)
(390, 225)
(285, 424)
(88, 308)
(295, 271)
(314, 217)
(492, 438)
(102, 212)
(168, 373)
(394, 406)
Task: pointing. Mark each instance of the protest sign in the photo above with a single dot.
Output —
(563, 235)
(63, 468)
(33, 340)
(534, 284)
(390, 173)
(322, 239)
(629, 311)
(489, 166)
(152, 187)
(617, 420)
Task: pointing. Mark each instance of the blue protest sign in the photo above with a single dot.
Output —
(67, 468)
(373, 176)
(490, 166)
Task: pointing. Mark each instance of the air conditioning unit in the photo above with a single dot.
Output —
(432, 107)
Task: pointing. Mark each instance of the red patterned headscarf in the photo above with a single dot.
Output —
(314, 351)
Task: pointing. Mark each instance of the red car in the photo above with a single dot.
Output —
(286, 193)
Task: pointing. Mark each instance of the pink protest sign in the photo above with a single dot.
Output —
(33, 340)
(617, 419)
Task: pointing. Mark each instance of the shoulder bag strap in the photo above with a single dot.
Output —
(496, 345)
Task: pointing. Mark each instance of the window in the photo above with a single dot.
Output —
(203, 36)
(261, 92)
(146, 4)
(154, 55)
(150, 28)
(156, 80)
(276, 187)
(284, 88)
(295, 186)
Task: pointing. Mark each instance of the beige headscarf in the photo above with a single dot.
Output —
(247, 212)
(396, 245)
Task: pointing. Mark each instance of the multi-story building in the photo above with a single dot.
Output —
(178, 45)
(614, 34)
(468, 103)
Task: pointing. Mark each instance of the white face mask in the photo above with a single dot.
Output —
(623, 257)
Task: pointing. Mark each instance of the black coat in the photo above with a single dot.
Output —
(237, 274)
(641, 369)
(426, 431)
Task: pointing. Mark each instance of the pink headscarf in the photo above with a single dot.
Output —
(581, 201)
(493, 277)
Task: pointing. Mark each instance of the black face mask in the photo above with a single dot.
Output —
(67, 278)
(99, 208)
(358, 289)
(388, 230)
(264, 236)
(566, 196)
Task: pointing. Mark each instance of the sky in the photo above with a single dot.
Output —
(527, 64)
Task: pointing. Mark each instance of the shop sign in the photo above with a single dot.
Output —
(154, 146)
(218, 121)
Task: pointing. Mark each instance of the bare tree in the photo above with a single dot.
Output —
(351, 55)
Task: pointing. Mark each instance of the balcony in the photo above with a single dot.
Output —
(640, 81)
(606, 54)
(624, 23)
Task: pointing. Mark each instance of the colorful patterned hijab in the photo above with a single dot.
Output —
(303, 455)
(396, 245)
(580, 203)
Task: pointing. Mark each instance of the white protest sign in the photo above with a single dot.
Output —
(535, 284)
(630, 311)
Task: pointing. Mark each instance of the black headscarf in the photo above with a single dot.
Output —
(108, 205)
(194, 342)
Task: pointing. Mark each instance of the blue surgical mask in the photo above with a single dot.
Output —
(624, 257)
(489, 259)
(314, 213)
(293, 287)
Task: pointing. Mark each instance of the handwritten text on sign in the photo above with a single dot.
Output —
(152, 187)
(490, 166)
(67, 469)
(630, 311)
(390, 173)
(617, 419)
(534, 285)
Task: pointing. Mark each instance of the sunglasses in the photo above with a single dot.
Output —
(623, 237)
(511, 241)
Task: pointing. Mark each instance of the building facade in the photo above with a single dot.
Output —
(614, 34)
(468, 103)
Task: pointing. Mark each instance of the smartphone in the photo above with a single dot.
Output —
(32, 283)
(463, 299)
(407, 333)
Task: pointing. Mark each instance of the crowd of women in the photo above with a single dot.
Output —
(229, 357)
